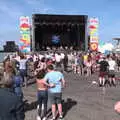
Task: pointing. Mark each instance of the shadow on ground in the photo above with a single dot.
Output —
(67, 105)
(30, 106)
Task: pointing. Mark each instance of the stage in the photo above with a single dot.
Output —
(59, 31)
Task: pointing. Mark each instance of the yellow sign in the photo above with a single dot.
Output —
(94, 39)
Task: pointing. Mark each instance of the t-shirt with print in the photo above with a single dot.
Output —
(55, 78)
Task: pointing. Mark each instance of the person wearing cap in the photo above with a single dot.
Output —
(12, 107)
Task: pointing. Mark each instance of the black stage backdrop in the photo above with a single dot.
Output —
(67, 30)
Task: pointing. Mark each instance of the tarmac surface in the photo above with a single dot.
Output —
(82, 99)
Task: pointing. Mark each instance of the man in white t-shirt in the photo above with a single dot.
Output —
(111, 75)
(57, 57)
(23, 69)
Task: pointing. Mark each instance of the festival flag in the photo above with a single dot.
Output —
(93, 31)
(25, 34)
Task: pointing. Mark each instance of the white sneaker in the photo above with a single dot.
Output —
(38, 118)
(44, 118)
(52, 119)
(38, 107)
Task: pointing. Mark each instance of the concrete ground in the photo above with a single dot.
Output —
(82, 99)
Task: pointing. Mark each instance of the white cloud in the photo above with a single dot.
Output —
(34, 2)
(39, 6)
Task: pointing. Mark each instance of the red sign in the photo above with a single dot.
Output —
(92, 27)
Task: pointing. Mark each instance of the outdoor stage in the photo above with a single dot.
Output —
(59, 31)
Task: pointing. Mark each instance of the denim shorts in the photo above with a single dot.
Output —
(55, 98)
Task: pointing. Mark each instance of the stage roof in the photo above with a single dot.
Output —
(116, 38)
(47, 18)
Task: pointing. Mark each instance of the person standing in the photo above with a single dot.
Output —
(18, 84)
(65, 62)
(89, 67)
(58, 60)
(23, 69)
(111, 75)
(103, 64)
(12, 107)
(42, 94)
(55, 93)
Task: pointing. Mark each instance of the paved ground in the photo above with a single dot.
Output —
(82, 100)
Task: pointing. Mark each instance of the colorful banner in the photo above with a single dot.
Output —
(93, 31)
(24, 34)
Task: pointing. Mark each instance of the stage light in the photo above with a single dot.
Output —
(50, 23)
(44, 23)
(58, 23)
(72, 24)
(69, 23)
(78, 24)
(63, 23)
(68, 29)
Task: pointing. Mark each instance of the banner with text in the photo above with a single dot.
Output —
(24, 34)
(93, 32)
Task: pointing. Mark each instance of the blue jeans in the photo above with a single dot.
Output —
(42, 99)
(18, 92)
(23, 73)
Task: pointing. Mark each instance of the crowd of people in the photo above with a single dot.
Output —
(47, 70)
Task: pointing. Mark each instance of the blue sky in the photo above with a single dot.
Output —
(106, 10)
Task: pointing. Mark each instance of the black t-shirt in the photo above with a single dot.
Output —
(103, 66)
(118, 62)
